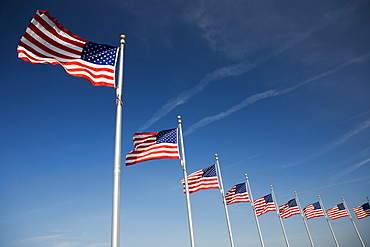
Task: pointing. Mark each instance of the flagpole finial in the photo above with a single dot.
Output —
(270, 186)
(178, 117)
(216, 155)
(123, 36)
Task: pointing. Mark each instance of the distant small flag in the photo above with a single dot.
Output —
(264, 204)
(337, 212)
(202, 180)
(313, 210)
(238, 193)
(47, 41)
(362, 211)
(154, 145)
(289, 209)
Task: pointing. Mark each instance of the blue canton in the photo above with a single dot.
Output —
(167, 136)
(209, 171)
(268, 198)
(240, 188)
(99, 54)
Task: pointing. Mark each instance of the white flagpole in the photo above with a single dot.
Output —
(254, 211)
(353, 222)
(278, 214)
(115, 237)
(183, 164)
(224, 200)
(327, 219)
(303, 218)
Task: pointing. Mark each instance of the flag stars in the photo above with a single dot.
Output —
(99, 53)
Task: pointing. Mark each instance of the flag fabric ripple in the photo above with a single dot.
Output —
(337, 212)
(263, 205)
(238, 193)
(289, 209)
(362, 211)
(154, 145)
(313, 210)
(202, 180)
(47, 41)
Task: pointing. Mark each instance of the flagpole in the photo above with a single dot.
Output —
(224, 201)
(278, 214)
(353, 223)
(327, 219)
(303, 218)
(254, 211)
(183, 164)
(115, 236)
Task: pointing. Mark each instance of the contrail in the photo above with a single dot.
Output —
(267, 94)
(351, 169)
(218, 74)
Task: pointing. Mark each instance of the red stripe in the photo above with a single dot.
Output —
(30, 56)
(55, 33)
(53, 42)
(52, 53)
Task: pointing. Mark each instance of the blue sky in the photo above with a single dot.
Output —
(279, 90)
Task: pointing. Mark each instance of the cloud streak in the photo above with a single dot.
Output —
(267, 94)
(351, 169)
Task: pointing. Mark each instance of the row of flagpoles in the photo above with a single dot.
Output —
(164, 144)
(47, 41)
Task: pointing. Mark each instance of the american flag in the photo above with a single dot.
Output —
(264, 204)
(238, 193)
(202, 180)
(337, 212)
(47, 41)
(313, 210)
(362, 211)
(154, 145)
(289, 209)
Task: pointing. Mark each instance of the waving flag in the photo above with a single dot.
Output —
(289, 209)
(362, 211)
(202, 180)
(238, 193)
(264, 204)
(313, 210)
(154, 145)
(337, 212)
(47, 41)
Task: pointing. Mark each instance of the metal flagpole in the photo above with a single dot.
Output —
(183, 164)
(254, 211)
(278, 214)
(303, 218)
(115, 237)
(327, 219)
(367, 198)
(224, 201)
(353, 223)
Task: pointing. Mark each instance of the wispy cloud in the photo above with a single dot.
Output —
(351, 169)
(342, 182)
(267, 94)
(363, 126)
(34, 240)
(218, 74)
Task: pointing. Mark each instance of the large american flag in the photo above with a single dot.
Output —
(337, 212)
(264, 204)
(362, 211)
(289, 209)
(238, 193)
(47, 41)
(202, 180)
(313, 210)
(154, 145)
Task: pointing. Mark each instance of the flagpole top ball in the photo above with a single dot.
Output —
(216, 155)
(178, 117)
(123, 36)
